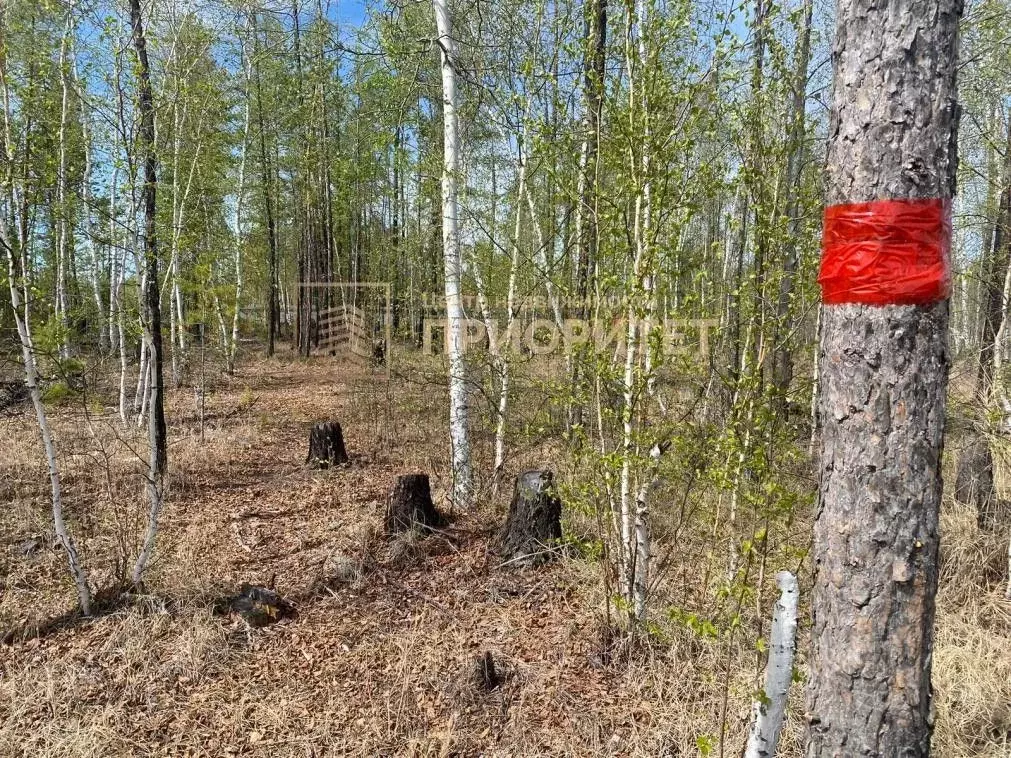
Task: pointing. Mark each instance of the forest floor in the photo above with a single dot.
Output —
(381, 658)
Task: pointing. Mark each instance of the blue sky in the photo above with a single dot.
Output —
(350, 12)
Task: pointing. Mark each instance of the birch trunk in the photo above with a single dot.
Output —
(459, 438)
(62, 181)
(233, 343)
(514, 264)
(769, 715)
(23, 323)
(884, 373)
(104, 334)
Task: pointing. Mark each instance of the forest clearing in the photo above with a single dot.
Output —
(381, 659)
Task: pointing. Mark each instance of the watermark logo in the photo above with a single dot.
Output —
(350, 320)
(534, 333)
(344, 330)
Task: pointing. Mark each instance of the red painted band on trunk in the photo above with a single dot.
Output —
(887, 252)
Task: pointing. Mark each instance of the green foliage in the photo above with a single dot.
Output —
(57, 393)
(706, 744)
(703, 628)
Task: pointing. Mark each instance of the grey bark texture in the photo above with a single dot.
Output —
(534, 521)
(884, 373)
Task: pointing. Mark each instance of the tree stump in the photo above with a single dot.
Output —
(534, 521)
(974, 481)
(259, 606)
(326, 445)
(410, 506)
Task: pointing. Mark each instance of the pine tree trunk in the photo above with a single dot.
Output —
(884, 376)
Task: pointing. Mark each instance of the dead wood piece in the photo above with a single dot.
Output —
(259, 606)
(410, 506)
(533, 527)
(326, 445)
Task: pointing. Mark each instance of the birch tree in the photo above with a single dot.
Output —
(455, 321)
(22, 320)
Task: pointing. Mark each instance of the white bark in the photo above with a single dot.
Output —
(768, 716)
(177, 318)
(542, 259)
(62, 202)
(116, 324)
(104, 333)
(514, 264)
(233, 343)
(22, 322)
(640, 578)
(460, 441)
(633, 556)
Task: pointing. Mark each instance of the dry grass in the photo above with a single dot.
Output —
(381, 658)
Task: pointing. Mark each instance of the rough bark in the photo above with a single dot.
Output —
(534, 521)
(326, 445)
(410, 506)
(884, 376)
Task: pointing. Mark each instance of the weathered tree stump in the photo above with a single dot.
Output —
(259, 606)
(534, 521)
(974, 481)
(326, 445)
(410, 506)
